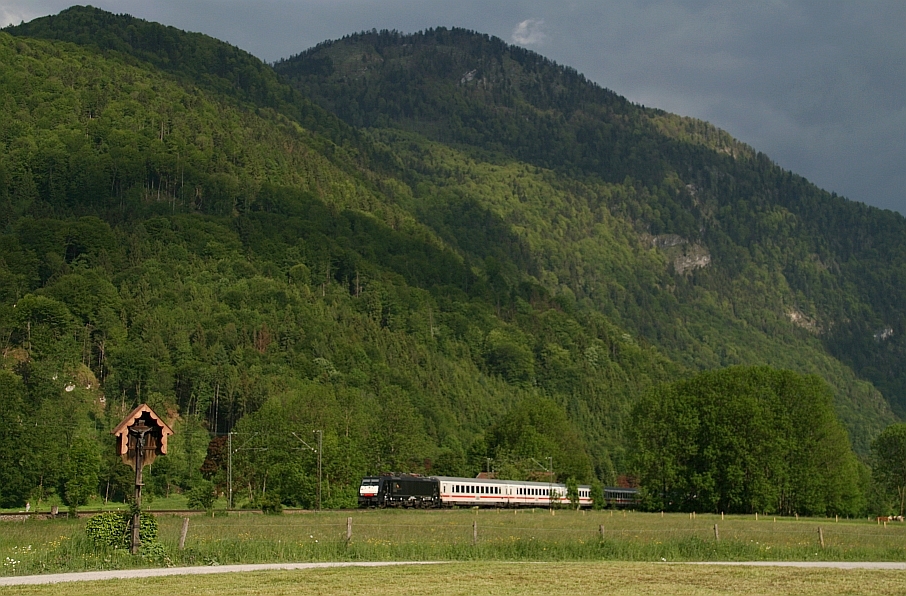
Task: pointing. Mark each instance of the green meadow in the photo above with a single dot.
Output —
(45, 546)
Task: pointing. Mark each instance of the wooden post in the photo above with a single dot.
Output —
(716, 534)
(756, 516)
(821, 536)
(182, 534)
(348, 530)
(138, 433)
(721, 516)
(601, 530)
(474, 532)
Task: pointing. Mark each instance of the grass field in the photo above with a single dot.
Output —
(498, 578)
(45, 546)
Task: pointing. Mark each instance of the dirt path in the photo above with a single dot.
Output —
(157, 572)
(56, 578)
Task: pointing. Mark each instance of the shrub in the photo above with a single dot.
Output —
(202, 496)
(112, 528)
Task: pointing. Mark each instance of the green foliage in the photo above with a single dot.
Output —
(113, 528)
(533, 431)
(744, 440)
(888, 464)
(81, 473)
(201, 496)
(109, 528)
(572, 491)
(270, 504)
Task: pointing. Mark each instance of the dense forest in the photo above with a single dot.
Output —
(443, 252)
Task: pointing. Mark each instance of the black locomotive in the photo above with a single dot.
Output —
(402, 490)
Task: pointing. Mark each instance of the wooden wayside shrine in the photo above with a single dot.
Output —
(140, 438)
(131, 431)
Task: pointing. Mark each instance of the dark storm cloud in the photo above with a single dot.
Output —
(818, 86)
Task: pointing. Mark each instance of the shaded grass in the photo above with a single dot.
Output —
(44, 546)
(469, 578)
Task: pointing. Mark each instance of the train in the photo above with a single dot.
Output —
(618, 496)
(411, 490)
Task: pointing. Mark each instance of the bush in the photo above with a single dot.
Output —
(271, 504)
(202, 496)
(113, 528)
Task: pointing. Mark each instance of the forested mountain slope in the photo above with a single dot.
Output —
(475, 268)
(832, 267)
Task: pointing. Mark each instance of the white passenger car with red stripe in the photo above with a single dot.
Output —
(484, 492)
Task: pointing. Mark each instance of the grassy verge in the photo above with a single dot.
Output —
(467, 579)
(45, 546)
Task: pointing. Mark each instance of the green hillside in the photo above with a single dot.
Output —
(413, 243)
(792, 274)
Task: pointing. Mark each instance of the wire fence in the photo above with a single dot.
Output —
(456, 528)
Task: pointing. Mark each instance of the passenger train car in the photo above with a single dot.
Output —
(445, 491)
(615, 496)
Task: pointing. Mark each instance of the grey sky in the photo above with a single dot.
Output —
(819, 86)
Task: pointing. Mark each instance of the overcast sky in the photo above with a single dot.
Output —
(819, 86)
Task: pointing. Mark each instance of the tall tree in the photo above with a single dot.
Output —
(744, 440)
(888, 463)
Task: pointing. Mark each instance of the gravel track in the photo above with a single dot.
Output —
(56, 578)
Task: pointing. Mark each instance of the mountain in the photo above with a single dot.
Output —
(415, 244)
(759, 247)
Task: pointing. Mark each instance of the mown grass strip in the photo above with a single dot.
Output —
(468, 579)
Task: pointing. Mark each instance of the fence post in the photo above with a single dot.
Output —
(821, 536)
(716, 534)
(348, 530)
(601, 530)
(183, 533)
(475, 532)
